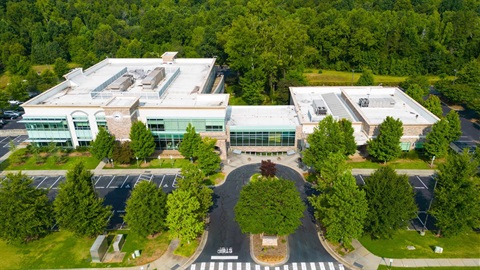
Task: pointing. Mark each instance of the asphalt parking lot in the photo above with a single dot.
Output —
(115, 189)
(423, 186)
(5, 142)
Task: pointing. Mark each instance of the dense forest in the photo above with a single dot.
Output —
(268, 42)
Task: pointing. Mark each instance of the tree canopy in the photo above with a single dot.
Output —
(366, 78)
(190, 142)
(77, 206)
(456, 204)
(146, 209)
(102, 146)
(25, 212)
(386, 146)
(261, 210)
(208, 160)
(184, 219)
(391, 202)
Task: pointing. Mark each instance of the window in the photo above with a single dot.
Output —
(262, 138)
(213, 128)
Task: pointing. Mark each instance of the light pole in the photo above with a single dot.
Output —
(111, 160)
(137, 161)
(455, 78)
(353, 73)
(391, 261)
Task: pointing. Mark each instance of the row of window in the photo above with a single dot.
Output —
(62, 126)
(274, 138)
(201, 125)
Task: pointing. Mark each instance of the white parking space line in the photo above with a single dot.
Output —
(312, 266)
(175, 181)
(163, 178)
(4, 139)
(331, 266)
(322, 266)
(42, 181)
(98, 179)
(361, 178)
(120, 211)
(16, 138)
(423, 224)
(111, 181)
(419, 179)
(124, 181)
(55, 181)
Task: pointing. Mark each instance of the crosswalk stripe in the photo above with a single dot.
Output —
(202, 266)
(220, 266)
(277, 268)
(192, 267)
(257, 267)
(340, 266)
(331, 266)
(312, 266)
(247, 266)
(304, 266)
(229, 266)
(212, 266)
(267, 268)
(294, 266)
(285, 267)
(239, 266)
(322, 267)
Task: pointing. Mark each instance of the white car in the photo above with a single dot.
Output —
(15, 102)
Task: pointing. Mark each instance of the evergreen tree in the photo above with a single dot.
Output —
(25, 212)
(455, 127)
(456, 204)
(437, 143)
(102, 146)
(208, 160)
(183, 219)
(342, 211)
(60, 67)
(391, 202)
(386, 146)
(142, 141)
(146, 209)
(366, 78)
(415, 92)
(260, 209)
(77, 206)
(432, 103)
(190, 142)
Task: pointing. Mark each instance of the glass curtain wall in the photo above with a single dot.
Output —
(262, 138)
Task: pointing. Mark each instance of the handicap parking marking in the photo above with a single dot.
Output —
(130, 181)
(126, 178)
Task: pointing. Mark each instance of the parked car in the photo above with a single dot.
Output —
(10, 115)
(15, 102)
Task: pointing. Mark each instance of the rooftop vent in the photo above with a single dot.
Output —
(169, 57)
(153, 78)
(319, 107)
(363, 102)
(122, 83)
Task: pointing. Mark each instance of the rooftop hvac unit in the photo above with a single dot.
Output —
(153, 78)
(122, 83)
(363, 102)
(382, 102)
(319, 107)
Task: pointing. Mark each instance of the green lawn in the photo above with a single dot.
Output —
(187, 249)
(64, 250)
(398, 164)
(164, 163)
(384, 267)
(462, 246)
(90, 163)
(345, 78)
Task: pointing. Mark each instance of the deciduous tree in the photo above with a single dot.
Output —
(122, 152)
(261, 210)
(77, 206)
(25, 212)
(142, 141)
(208, 161)
(415, 92)
(348, 138)
(437, 143)
(456, 204)
(193, 180)
(146, 209)
(366, 78)
(183, 218)
(455, 127)
(342, 211)
(386, 146)
(391, 202)
(432, 103)
(267, 168)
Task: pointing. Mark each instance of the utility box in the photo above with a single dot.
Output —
(99, 248)
(270, 240)
(438, 249)
(118, 242)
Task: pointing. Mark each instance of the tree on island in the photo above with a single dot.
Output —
(456, 204)
(103, 145)
(190, 142)
(77, 206)
(26, 213)
(391, 202)
(260, 209)
(267, 168)
(386, 146)
(146, 209)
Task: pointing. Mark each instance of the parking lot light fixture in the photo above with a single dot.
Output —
(391, 261)
(137, 161)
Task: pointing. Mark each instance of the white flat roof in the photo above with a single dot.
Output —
(184, 88)
(262, 116)
(384, 101)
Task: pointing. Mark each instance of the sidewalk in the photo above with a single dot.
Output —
(361, 258)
